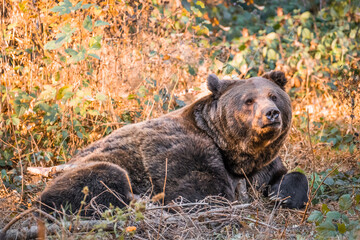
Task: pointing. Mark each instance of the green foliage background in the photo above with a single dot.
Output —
(63, 66)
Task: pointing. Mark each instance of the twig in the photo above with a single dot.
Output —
(252, 187)
(13, 221)
(261, 223)
(112, 192)
(310, 142)
(163, 200)
(46, 171)
(313, 195)
(42, 213)
(32, 232)
(128, 179)
(178, 205)
(313, 169)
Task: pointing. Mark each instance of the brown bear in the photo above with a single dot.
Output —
(203, 149)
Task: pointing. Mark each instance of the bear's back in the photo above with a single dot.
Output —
(144, 148)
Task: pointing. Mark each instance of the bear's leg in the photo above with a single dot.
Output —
(293, 187)
(67, 190)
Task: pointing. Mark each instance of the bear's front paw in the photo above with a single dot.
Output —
(292, 190)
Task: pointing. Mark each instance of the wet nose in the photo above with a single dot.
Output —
(272, 114)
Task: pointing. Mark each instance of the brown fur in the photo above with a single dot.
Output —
(207, 145)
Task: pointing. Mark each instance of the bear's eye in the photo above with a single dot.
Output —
(273, 97)
(249, 101)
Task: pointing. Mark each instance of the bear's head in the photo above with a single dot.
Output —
(248, 119)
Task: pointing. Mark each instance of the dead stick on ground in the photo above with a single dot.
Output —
(112, 192)
(252, 187)
(21, 215)
(163, 200)
(14, 220)
(42, 213)
(261, 223)
(312, 166)
(313, 195)
(53, 229)
(46, 171)
(178, 205)
(128, 179)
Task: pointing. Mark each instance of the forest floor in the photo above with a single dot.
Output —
(72, 72)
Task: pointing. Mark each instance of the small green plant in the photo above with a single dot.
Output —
(340, 208)
(123, 220)
(66, 36)
(336, 137)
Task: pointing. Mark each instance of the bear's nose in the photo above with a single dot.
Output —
(272, 114)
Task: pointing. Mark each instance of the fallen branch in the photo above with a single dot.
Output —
(52, 229)
(47, 171)
(259, 222)
(13, 221)
(192, 220)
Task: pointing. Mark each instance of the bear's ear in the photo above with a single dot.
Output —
(214, 84)
(277, 77)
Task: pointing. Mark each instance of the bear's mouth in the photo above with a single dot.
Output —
(272, 125)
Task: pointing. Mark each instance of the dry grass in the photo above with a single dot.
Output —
(126, 63)
(213, 217)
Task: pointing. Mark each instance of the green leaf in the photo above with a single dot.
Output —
(156, 98)
(345, 219)
(201, 4)
(57, 9)
(329, 181)
(43, 106)
(271, 54)
(77, 6)
(333, 215)
(94, 56)
(341, 228)
(63, 8)
(60, 94)
(101, 97)
(86, 6)
(15, 120)
(71, 51)
(79, 134)
(67, 29)
(139, 216)
(99, 23)
(62, 38)
(357, 198)
(326, 229)
(352, 148)
(95, 43)
(345, 202)
(271, 36)
(326, 225)
(333, 141)
(52, 45)
(57, 76)
(4, 175)
(305, 16)
(87, 24)
(324, 208)
(191, 70)
(93, 112)
(186, 5)
(298, 30)
(353, 33)
(228, 69)
(306, 33)
(79, 56)
(315, 216)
